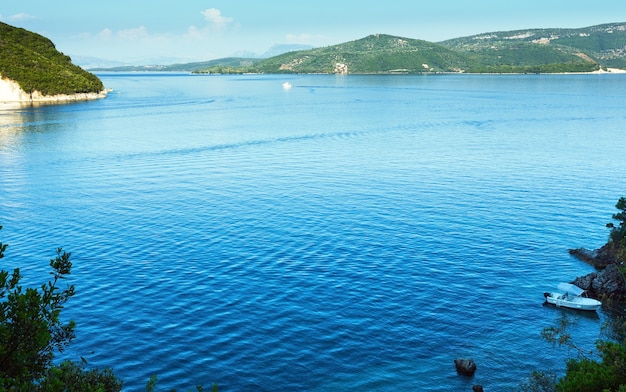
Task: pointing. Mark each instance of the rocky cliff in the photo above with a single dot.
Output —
(609, 281)
(10, 91)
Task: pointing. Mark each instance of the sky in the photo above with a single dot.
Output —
(142, 32)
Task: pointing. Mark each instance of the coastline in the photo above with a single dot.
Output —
(11, 93)
(601, 71)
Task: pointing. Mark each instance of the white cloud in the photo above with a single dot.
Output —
(195, 33)
(142, 42)
(134, 34)
(105, 34)
(215, 19)
(18, 17)
(215, 23)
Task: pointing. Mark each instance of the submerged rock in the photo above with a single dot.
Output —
(465, 366)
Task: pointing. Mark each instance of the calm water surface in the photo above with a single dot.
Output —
(351, 233)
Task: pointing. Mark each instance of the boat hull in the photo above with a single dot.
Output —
(579, 303)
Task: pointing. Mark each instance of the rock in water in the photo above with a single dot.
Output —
(607, 283)
(465, 366)
(478, 388)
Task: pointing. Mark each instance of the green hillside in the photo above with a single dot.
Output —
(34, 63)
(377, 53)
(581, 49)
(522, 51)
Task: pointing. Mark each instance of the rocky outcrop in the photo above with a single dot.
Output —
(10, 91)
(605, 284)
(465, 367)
(609, 281)
(599, 258)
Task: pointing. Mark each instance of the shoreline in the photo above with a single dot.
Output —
(11, 94)
(607, 71)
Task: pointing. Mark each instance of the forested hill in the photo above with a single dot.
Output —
(604, 45)
(522, 51)
(372, 54)
(34, 63)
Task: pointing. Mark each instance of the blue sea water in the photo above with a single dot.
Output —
(350, 233)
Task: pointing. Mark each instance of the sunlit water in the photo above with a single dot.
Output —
(350, 233)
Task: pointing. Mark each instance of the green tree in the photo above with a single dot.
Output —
(71, 377)
(31, 331)
(608, 374)
(586, 372)
(618, 233)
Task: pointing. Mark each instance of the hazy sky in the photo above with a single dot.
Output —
(135, 31)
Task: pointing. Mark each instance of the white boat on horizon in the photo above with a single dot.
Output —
(572, 297)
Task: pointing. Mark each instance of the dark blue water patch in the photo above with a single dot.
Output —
(224, 230)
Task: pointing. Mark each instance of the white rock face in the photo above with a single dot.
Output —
(10, 91)
(341, 68)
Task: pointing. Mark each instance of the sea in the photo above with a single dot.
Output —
(350, 233)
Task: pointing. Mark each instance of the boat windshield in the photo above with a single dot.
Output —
(570, 288)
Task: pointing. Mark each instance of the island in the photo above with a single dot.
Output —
(33, 70)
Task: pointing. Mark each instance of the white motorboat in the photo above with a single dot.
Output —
(286, 85)
(572, 297)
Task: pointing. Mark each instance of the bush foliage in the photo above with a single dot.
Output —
(31, 331)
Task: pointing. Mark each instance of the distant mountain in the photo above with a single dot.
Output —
(33, 62)
(373, 54)
(229, 62)
(88, 62)
(521, 51)
(242, 59)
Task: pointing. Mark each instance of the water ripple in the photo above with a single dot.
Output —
(358, 236)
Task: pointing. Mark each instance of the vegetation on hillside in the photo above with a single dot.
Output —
(597, 46)
(388, 54)
(569, 67)
(34, 63)
(377, 53)
(617, 236)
